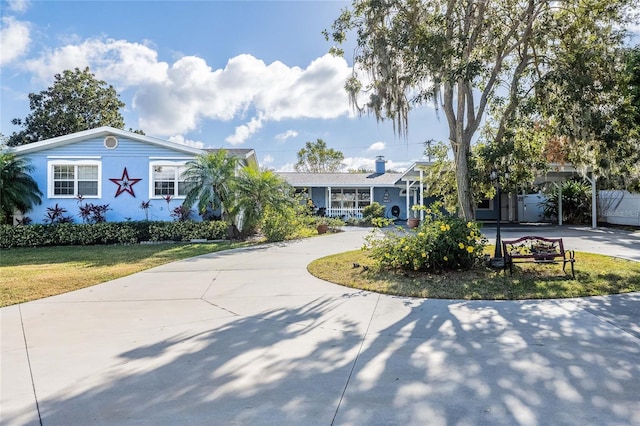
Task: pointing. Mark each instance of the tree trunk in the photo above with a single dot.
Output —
(460, 139)
(463, 182)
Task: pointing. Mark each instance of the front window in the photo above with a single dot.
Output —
(351, 199)
(167, 180)
(74, 179)
(484, 204)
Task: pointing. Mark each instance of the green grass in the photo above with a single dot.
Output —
(595, 275)
(33, 273)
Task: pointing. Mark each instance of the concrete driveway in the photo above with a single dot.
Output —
(248, 337)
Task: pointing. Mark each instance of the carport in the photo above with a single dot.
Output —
(559, 173)
(412, 180)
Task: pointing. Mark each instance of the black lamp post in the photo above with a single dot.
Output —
(498, 259)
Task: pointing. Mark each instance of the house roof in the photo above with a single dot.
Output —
(412, 174)
(309, 180)
(103, 131)
(248, 155)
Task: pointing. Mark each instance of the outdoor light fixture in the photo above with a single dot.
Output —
(498, 259)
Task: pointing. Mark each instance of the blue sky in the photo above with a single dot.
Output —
(234, 74)
(214, 74)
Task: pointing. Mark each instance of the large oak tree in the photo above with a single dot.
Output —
(464, 55)
(76, 101)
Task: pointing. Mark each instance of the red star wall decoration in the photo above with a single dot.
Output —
(125, 183)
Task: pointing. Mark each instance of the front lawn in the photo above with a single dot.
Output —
(33, 273)
(595, 275)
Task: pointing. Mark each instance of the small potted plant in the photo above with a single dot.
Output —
(323, 226)
(414, 220)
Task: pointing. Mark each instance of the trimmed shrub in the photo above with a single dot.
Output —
(108, 233)
(187, 231)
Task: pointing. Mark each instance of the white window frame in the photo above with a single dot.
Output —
(152, 183)
(355, 203)
(75, 164)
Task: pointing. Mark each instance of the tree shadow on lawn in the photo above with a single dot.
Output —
(420, 362)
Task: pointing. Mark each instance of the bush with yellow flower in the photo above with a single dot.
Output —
(441, 242)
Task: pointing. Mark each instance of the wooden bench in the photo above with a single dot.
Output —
(531, 249)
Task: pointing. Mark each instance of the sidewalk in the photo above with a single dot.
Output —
(248, 337)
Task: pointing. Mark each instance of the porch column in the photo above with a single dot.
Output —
(594, 201)
(329, 201)
(560, 204)
(371, 200)
(421, 194)
(408, 208)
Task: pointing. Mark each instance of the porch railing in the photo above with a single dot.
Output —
(345, 212)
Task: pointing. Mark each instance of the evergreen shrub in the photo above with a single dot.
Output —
(281, 224)
(61, 234)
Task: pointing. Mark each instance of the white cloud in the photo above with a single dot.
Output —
(357, 163)
(18, 6)
(378, 146)
(286, 135)
(315, 92)
(14, 39)
(118, 62)
(245, 131)
(398, 166)
(174, 98)
(193, 92)
(181, 140)
(268, 159)
(286, 168)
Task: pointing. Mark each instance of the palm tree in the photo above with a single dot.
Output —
(18, 190)
(210, 178)
(258, 190)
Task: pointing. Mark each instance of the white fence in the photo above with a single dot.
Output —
(619, 208)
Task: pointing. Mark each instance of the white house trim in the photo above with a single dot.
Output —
(167, 163)
(171, 158)
(64, 162)
(102, 132)
(75, 157)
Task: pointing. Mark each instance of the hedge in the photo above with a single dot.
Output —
(108, 233)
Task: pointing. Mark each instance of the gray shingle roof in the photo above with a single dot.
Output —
(310, 180)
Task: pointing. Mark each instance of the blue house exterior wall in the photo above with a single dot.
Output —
(133, 155)
(490, 214)
(393, 199)
(319, 197)
(138, 154)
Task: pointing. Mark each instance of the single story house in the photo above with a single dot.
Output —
(108, 166)
(347, 194)
(113, 167)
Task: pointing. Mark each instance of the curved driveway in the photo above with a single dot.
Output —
(248, 337)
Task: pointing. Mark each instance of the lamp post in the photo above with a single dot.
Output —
(498, 259)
